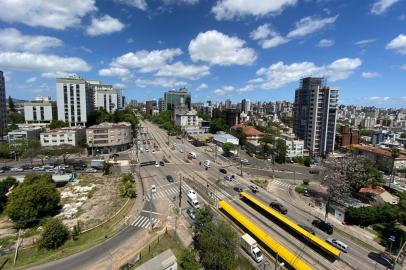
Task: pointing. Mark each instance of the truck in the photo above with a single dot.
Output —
(250, 246)
(192, 199)
(207, 163)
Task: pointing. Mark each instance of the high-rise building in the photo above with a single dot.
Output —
(161, 105)
(3, 118)
(106, 96)
(315, 113)
(177, 98)
(75, 100)
(228, 104)
(245, 105)
(150, 105)
(40, 110)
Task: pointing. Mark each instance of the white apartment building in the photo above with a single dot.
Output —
(22, 134)
(187, 119)
(74, 100)
(108, 138)
(106, 97)
(63, 136)
(40, 110)
(295, 147)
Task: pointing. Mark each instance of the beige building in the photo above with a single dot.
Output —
(108, 138)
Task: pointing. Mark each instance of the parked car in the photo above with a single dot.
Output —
(26, 167)
(2, 171)
(324, 226)
(78, 168)
(153, 188)
(307, 228)
(169, 178)
(238, 188)
(161, 163)
(279, 207)
(245, 161)
(306, 192)
(91, 170)
(156, 164)
(338, 244)
(115, 155)
(37, 169)
(223, 170)
(227, 177)
(15, 169)
(50, 170)
(254, 188)
(382, 259)
(191, 213)
(5, 168)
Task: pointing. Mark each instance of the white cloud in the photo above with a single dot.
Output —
(229, 9)
(281, 74)
(370, 74)
(217, 48)
(365, 42)
(104, 25)
(119, 85)
(13, 40)
(323, 43)
(273, 42)
(380, 6)
(57, 74)
(140, 4)
(162, 82)
(309, 25)
(202, 86)
(247, 88)
(146, 61)
(41, 62)
(379, 99)
(262, 32)
(55, 14)
(130, 40)
(179, 2)
(403, 67)
(180, 70)
(223, 90)
(31, 80)
(115, 71)
(398, 44)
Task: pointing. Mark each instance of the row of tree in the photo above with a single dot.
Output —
(164, 119)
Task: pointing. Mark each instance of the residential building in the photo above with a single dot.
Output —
(315, 113)
(295, 146)
(245, 105)
(368, 122)
(379, 137)
(3, 116)
(228, 104)
(187, 119)
(177, 98)
(22, 134)
(231, 117)
(252, 135)
(75, 100)
(348, 136)
(40, 110)
(108, 138)
(63, 136)
(164, 261)
(106, 96)
(150, 106)
(379, 195)
(161, 105)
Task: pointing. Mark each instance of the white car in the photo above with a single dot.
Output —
(156, 164)
(91, 170)
(1, 171)
(153, 189)
(338, 244)
(50, 170)
(16, 169)
(147, 150)
(37, 169)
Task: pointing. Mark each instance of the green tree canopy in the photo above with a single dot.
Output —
(188, 261)
(11, 105)
(227, 147)
(403, 135)
(57, 124)
(281, 150)
(33, 200)
(98, 116)
(204, 216)
(267, 139)
(54, 235)
(5, 186)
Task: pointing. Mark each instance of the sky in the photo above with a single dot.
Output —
(220, 49)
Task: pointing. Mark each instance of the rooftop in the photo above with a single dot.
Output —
(376, 150)
(111, 125)
(249, 131)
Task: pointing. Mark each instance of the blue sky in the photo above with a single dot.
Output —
(220, 49)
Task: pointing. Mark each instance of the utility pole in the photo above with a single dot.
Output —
(180, 193)
(150, 212)
(240, 168)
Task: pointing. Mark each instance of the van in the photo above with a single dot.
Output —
(338, 244)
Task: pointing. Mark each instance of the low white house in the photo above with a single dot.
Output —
(221, 138)
(295, 147)
(63, 136)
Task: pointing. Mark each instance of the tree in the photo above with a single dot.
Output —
(83, 143)
(33, 200)
(5, 186)
(54, 235)
(281, 151)
(403, 135)
(57, 124)
(127, 186)
(227, 147)
(98, 116)
(287, 121)
(15, 118)
(107, 168)
(11, 104)
(187, 260)
(203, 217)
(217, 245)
(31, 148)
(240, 135)
(4, 150)
(76, 231)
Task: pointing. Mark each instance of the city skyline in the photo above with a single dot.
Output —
(224, 51)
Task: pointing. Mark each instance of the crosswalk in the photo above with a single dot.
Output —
(167, 192)
(283, 184)
(142, 221)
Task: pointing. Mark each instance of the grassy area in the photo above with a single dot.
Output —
(261, 183)
(32, 256)
(356, 240)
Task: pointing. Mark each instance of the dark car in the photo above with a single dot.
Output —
(324, 226)
(161, 163)
(169, 178)
(114, 155)
(382, 259)
(307, 228)
(279, 207)
(78, 168)
(238, 189)
(306, 192)
(26, 167)
(223, 171)
(254, 188)
(5, 168)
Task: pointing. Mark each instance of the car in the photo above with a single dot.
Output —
(6, 168)
(161, 163)
(279, 207)
(2, 171)
(238, 188)
(191, 213)
(307, 228)
(227, 177)
(338, 244)
(50, 170)
(156, 164)
(306, 192)
(324, 226)
(153, 188)
(15, 169)
(91, 170)
(78, 168)
(382, 259)
(147, 150)
(169, 178)
(26, 167)
(254, 188)
(37, 169)
(245, 161)
(115, 155)
(223, 170)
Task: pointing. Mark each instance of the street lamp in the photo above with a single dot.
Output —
(392, 239)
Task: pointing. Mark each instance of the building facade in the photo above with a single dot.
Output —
(106, 96)
(40, 110)
(23, 134)
(348, 136)
(315, 114)
(75, 100)
(63, 136)
(3, 116)
(245, 105)
(108, 138)
(177, 98)
(231, 117)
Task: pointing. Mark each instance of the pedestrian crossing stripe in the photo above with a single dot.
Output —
(144, 222)
(281, 183)
(167, 192)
